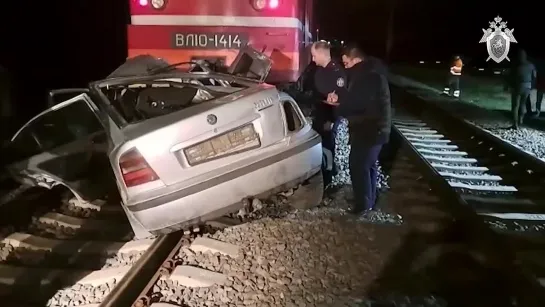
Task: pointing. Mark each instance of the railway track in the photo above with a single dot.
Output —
(490, 183)
(66, 253)
(83, 250)
(71, 254)
(232, 263)
(500, 182)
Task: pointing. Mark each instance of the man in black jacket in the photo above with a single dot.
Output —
(366, 105)
(521, 79)
(328, 77)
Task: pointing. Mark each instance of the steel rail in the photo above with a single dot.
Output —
(166, 268)
(129, 288)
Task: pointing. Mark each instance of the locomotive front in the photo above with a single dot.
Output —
(189, 30)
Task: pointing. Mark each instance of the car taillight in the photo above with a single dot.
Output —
(135, 169)
(143, 2)
(232, 142)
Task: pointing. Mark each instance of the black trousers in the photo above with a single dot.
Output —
(364, 173)
(519, 98)
(453, 86)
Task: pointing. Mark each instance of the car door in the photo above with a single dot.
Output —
(66, 144)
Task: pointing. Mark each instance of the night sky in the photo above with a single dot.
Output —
(430, 30)
(63, 43)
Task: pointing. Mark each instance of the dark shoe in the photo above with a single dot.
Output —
(514, 127)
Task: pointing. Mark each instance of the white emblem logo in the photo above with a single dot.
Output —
(340, 82)
(498, 39)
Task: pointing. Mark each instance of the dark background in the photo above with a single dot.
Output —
(430, 30)
(66, 43)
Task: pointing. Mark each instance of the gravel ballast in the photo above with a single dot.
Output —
(317, 257)
(305, 259)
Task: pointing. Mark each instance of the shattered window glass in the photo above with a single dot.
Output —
(56, 128)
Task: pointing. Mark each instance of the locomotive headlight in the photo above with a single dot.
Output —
(158, 4)
(273, 4)
(259, 4)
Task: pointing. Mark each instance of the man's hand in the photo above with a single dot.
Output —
(332, 99)
(328, 126)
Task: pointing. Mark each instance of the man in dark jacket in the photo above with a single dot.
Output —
(365, 103)
(370, 63)
(328, 77)
(521, 79)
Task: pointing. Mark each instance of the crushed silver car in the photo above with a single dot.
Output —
(182, 147)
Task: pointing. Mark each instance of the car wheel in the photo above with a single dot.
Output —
(309, 194)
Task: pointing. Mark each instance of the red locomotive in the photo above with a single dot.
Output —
(214, 30)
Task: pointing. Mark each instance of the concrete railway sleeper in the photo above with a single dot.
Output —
(48, 244)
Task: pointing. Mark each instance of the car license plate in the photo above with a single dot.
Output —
(238, 140)
(209, 40)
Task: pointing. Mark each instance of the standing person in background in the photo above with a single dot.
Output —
(520, 80)
(540, 87)
(453, 81)
(329, 77)
(365, 103)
